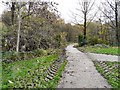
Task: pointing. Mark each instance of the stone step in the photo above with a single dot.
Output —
(46, 79)
(49, 77)
(50, 74)
(54, 66)
(54, 70)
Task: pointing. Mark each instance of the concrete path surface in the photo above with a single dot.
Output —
(103, 57)
(80, 72)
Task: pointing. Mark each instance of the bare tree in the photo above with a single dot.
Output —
(13, 12)
(111, 13)
(85, 8)
(20, 17)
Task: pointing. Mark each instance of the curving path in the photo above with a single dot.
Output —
(80, 72)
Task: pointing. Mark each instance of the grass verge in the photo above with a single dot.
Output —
(110, 71)
(109, 50)
(30, 73)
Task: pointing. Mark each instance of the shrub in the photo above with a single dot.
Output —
(80, 40)
(93, 41)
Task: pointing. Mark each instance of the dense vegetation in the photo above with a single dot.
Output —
(41, 29)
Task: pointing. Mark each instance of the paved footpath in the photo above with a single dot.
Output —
(80, 72)
(103, 57)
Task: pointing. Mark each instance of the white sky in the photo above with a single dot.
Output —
(2, 7)
(65, 7)
(68, 7)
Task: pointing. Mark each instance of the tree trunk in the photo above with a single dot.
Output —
(19, 26)
(13, 10)
(85, 19)
(116, 22)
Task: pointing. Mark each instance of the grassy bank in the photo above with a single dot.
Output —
(54, 82)
(30, 73)
(110, 71)
(100, 50)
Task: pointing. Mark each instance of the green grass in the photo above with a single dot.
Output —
(30, 73)
(110, 50)
(110, 71)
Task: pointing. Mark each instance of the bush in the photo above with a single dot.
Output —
(51, 51)
(81, 40)
(93, 41)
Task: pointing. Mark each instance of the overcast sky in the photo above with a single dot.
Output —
(65, 8)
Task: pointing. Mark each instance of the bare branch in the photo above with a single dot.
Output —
(92, 19)
(111, 5)
(107, 17)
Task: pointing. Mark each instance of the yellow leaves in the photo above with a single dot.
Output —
(102, 32)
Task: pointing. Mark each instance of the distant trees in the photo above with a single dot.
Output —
(110, 11)
(85, 8)
(104, 29)
(97, 33)
(72, 31)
